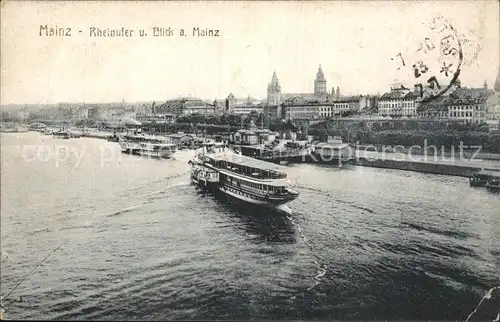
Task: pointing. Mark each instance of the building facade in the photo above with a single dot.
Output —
(301, 111)
(275, 96)
(340, 108)
(245, 110)
(433, 109)
(219, 106)
(273, 112)
(183, 106)
(467, 110)
(147, 118)
(400, 101)
(243, 106)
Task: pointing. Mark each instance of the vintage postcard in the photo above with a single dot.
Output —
(265, 160)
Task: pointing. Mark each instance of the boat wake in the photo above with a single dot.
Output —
(330, 195)
(41, 230)
(123, 211)
(82, 226)
(321, 269)
(162, 181)
(114, 213)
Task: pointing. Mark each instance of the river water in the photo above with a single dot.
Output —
(139, 242)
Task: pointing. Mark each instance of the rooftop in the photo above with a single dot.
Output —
(183, 102)
(334, 146)
(247, 161)
(397, 94)
(346, 99)
(179, 135)
(151, 138)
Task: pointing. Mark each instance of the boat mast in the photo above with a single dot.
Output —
(204, 135)
(84, 119)
(228, 135)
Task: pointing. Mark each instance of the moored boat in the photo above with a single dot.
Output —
(333, 151)
(47, 131)
(113, 138)
(483, 177)
(149, 146)
(64, 134)
(14, 129)
(37, 127)
(493, 185)
(8, 130)
(244, 178)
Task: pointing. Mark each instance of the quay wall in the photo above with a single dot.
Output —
(431, 152)
(387, 163)
(405, 165)
(97, 135)
(424, 167)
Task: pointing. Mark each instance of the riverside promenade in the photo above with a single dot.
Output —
(428, 164)
(438, 164)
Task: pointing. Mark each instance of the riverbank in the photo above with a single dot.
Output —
(446, 165)
(418, 162)
(423, 167)
(432, 152)
(461, 167)
(98, 135)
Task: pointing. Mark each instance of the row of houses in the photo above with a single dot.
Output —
(292, 108)
(474, 105)
(470, 105)
(467, 105)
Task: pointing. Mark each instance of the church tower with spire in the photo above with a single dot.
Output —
(320, 83)
(497, 82)
(332, 95)
(274, 91)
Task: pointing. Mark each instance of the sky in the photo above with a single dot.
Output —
(353, 41)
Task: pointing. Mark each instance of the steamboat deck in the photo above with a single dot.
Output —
(244, 178)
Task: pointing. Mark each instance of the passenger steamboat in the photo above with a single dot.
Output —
(145, 145)
(244, 178)
(64, 134)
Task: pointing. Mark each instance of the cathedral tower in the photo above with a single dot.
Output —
(320, 83)
(230, 103)
(497, 82)
(274, 91)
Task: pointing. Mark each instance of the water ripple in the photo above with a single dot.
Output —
(146, 245)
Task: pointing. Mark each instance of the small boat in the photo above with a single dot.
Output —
(481, 178)
(62, 134)
(493, 185)
(14, 129)
(76, 135)
(113, 138)
(145, 145)
(37, 127)
(80, 133)
(22, 129)
(47, 131)
(244, 178)
(8, 130)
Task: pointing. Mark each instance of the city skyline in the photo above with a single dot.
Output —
(353, 43)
